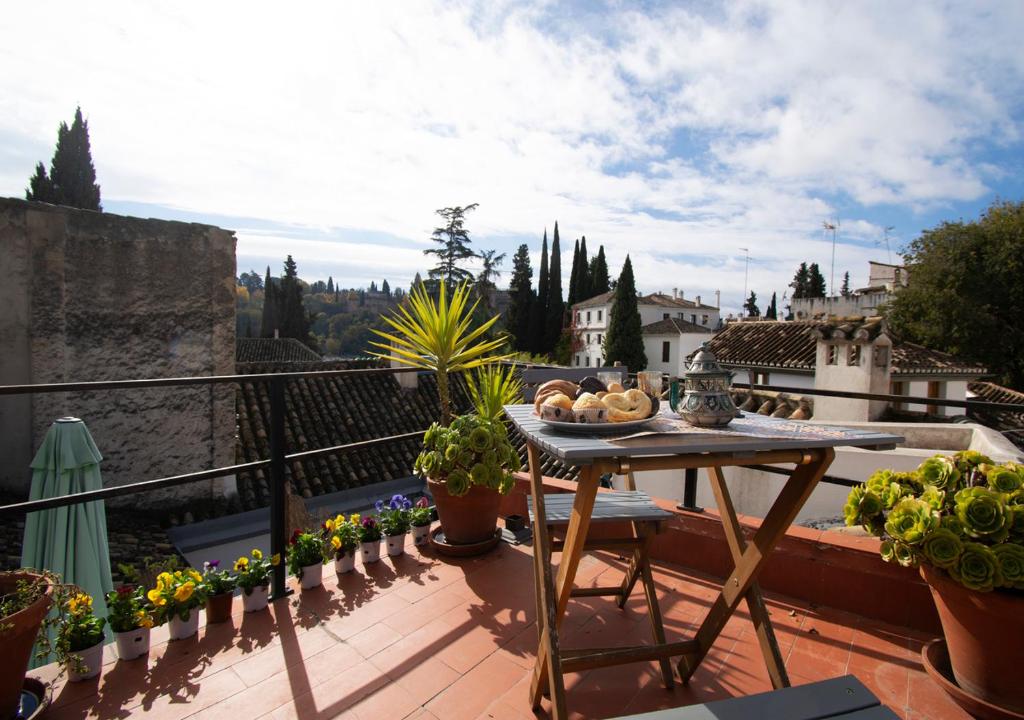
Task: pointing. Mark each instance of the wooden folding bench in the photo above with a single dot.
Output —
(645, 520)
(842, 698)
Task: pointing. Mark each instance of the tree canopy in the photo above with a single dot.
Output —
(555, 310)
(750, 306)
(453, 237)
(72, 177)
(598, 275)
(808, 282)
(965, 291)
(624, 341)
(522, 299)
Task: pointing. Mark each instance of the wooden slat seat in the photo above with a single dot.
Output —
(842, 698)
(615, 506)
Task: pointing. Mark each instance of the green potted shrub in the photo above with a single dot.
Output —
(252, 574)
(394, 522)
(129, 617)
(306, 558)
(220, 585)
(343, 541)
(25, 599)
(80, 638)
(960, 519)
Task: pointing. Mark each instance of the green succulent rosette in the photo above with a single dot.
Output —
(888, 551)
(905, 554)
(479, 440)
(940, 472)
(951, 523)
(935, 498)
(458, 482)
(967, 460)
(977, 568)
(983, 514)
(1003, 479)
(861, 505)
(942, 548)
(910, 521)
(1011, 564)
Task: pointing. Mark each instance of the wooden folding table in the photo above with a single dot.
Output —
(750, 440)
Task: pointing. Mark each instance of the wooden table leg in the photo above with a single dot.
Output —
(545, 673)
(642, 559)
(755, 602)
(794, 494)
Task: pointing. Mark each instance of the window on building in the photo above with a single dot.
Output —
(703, 319)
(588, 316)
(665, 348)
(853, 355)
(665, 316)
(882, 356)
(598, 363)
(693, 319)
(833, 355)
(599, 341)
(896, 388)
(599, 313)
(681, 316)
(577, 317)
(577, 361)
(760, 377)
(588, 338)
(588, 360)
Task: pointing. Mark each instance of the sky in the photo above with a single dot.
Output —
(688, 135)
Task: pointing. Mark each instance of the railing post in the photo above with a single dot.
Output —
(690, 492)
(278, 531)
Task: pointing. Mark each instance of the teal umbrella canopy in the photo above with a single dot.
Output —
(70, 540)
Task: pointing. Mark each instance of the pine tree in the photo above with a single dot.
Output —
(845, 289)
(751, 307)
(538, 313)
(454, 241)
(800, 282)
(72, 179)
(772, 313)
(385, 288)
(574, 276)
(269, 320)
(815, 282)
(555, 313)
(624, 342)
(598, 275)
(522, 298)
(583, 291)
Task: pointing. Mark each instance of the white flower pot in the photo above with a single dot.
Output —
(181, 629)
(420, 534)
(132, 644)
(312, 576)
(256, 600)
(370, 551)
(92, 663)
(396, 544)
(345, 562)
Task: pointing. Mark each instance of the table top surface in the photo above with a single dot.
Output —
(668, 434)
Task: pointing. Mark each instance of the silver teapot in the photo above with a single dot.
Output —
(706, 402)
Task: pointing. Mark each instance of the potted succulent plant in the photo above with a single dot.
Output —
(252, 574)
(343, 541)
(80, 638)
(129, 617)
(306, 558)
(419, 518)
(394, 522)
(369, 539)
(177, 598)
(961, 520)
(220, 585)
(25, 599)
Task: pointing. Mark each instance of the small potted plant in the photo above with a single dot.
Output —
(25, 599)
(306, 558)
(419, 519)
(80, 638)
(177, 598)
(220, 585)
(369, 539)
(253, 576)
(130, 619)
(394, 522)
(961, 520)
(343, 541)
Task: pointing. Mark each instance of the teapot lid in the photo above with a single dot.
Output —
(705, 363)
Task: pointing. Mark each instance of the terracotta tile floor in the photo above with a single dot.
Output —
(422, 637)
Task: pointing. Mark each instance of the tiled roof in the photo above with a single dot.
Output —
(602, 299)
(264, 350)
(1009, 423)
(659, 299)
(671, 326)
(792, 345)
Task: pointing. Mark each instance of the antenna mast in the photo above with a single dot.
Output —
(746, 267)
(833, 227)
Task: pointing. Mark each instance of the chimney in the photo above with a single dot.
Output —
(698, 299)
(675, 293)
(718, 298)
(277, 334)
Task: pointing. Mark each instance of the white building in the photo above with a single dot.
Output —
(884, 281)
(668, 343)
(590, 319)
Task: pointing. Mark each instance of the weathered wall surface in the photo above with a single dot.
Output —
(94, 296)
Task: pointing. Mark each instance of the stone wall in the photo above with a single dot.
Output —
(95, 296)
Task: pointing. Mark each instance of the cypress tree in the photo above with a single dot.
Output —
(522, 299)
(555, 312)
(583, 291)
(845, 289)
(751, 307)
(385, 288)
(330, 284)
(269, 321)
(815, 282)
(624, 342)
(800, 282)
(598, 275)
(538, 313)
(40, 187)
(772, 313)
(72, 179)
(574, 276)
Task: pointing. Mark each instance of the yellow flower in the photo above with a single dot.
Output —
(336, 542)
(354, 518)
(329, 525)
(183, 593)
(195, 576)
(339, 520)
(241, 564)
(80, 604)
(156, 598)
(164, 580)
(143, 619)
(257, 554)
(276, 559)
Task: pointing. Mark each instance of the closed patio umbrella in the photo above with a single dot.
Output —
(70, 540)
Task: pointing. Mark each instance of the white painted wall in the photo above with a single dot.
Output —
(681, 345)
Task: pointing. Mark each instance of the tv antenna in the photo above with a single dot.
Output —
(833, 227)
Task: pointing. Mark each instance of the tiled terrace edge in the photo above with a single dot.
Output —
(820, 566)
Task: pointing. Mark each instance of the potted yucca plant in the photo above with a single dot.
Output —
(960, 519)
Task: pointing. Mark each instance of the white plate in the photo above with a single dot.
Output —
(607, 428)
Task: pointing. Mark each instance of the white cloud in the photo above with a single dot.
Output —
(368, 116)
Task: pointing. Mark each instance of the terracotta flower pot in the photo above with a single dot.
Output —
(17, 636)
(218, 608)
(983, 632)
(469, 519)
